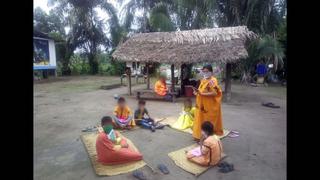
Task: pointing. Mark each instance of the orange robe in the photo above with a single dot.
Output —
(208, 108)
(160, 88)
(108, 154)
(211, 152)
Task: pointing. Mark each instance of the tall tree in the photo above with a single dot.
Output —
(86, 29)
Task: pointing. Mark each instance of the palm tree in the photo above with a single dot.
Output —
(86, 29)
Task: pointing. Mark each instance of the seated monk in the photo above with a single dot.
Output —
(161, 88)
(210, 150)
(111, 148)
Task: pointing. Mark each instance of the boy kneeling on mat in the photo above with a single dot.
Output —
(111, 148)
(210, 150)
(142, 117)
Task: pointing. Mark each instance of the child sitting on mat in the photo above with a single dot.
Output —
(113, 150)
(122, 115)
(186, 118)
(142, 117)
(210, 150)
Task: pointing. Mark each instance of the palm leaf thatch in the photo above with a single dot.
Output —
(192, 46)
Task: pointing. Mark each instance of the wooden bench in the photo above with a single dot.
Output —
(150, 94)
(137, 77)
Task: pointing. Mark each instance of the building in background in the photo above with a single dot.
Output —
(44, 54)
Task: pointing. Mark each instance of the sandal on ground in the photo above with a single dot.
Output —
(234, 132)
(270, 105)
(163, 169)
(222, 164)
(139, 175)
(226, 168)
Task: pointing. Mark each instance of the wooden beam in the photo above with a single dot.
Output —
(172, 78)
(227, 87)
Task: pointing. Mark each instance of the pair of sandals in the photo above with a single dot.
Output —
(139, 174)
(225, 167)
(233, 134)
(270, 105)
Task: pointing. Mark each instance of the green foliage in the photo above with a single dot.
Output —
(109, 67)
(160, 18)
(79, 65)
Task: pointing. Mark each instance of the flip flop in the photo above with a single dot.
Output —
(232, 135)
(270, 105)
(227, 168)
(222, 164)
(139, 175)
(163, 169)
(234, 132)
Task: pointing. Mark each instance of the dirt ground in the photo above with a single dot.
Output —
(63, 107)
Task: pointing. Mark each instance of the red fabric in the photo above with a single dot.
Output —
(109, 156)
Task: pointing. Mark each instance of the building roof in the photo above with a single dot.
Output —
(192, 46)
(41, 35)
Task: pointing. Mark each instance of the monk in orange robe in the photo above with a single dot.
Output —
(208, 103)
(210, 150)
(161, 87)
(111, 148)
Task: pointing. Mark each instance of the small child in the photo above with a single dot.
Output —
(142, 117)
(111, 148)
(186, 118)
(122, 115)
(210, 150)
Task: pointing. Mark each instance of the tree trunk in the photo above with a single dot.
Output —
(227, 90)
(94, 65)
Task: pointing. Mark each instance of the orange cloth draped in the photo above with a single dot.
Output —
(211, 146)
(208, 108)
(108, 154)
(160, 88)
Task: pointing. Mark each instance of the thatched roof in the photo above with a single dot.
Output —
(193, 46)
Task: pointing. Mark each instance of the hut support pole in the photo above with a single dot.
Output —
(128, 72)
(172, 77)
(227, 87)
(148, 76)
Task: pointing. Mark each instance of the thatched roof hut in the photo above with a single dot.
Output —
(226, 45)
(193, 46)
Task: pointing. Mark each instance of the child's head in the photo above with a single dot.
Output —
(141, 104)
(187, 103)
(106, 120)
(121, 102)
(207, 129)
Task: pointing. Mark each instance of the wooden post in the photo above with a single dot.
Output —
(128, 72)
(148, 76)
(227, 82)
(181, 79)
(172, 77)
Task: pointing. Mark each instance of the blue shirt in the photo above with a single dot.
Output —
(261, 69)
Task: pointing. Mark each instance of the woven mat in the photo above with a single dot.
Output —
(89, 140)
(171, 120)
(180, 159)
